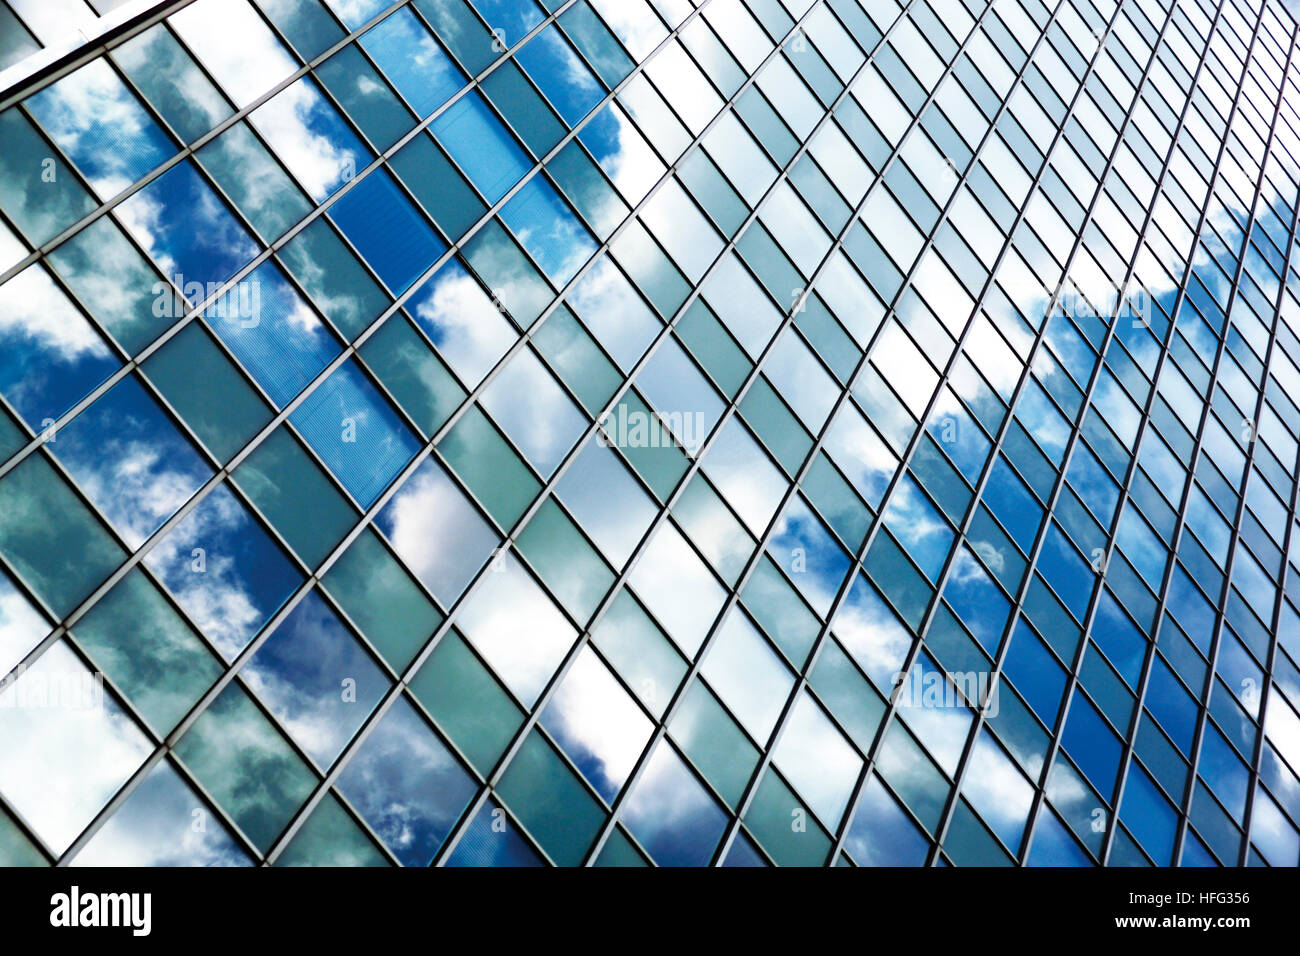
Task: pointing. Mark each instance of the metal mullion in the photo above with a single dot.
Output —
(75, 59)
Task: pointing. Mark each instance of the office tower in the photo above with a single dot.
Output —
(612, 432)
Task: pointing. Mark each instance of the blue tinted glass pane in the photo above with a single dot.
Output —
(1036, 674)
(356, 13)
(513, 17)
(407, 785)
(562, 76)
(50, 356)
(183, 224)
(487, 843)
(102, 127)
(882, 834)
(413, 62)
(387, 230)
(802, 545)
(672, 816)
(130, 461)
(976, 599)
(316, 679)
(548, 229)
(224, 570)
(309, 136)
(273, 332)
(356, 433)
(1092, 744)
(475, 139)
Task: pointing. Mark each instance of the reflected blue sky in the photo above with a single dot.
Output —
(105, 131)
(51, 356)
(224, 570)
(383, 225)
(181, 222)
(407, 785)
(476, 140)
(356, 433)
(315, 677)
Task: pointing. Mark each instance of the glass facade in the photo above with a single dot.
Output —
(673, 432)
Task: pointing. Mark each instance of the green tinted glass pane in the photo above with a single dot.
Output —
(969, 843)
(144, 646)
(597, 44)
(915, 778)
(717, 532)
(577, 359)
(247, 766)
(900, 582)
(588, 190)
(11, 436)
(784, 827)
(338, 284)
(717, 351)
(366, 97)
(835, 346)
(567, 564)
(293, 493)
(15, 848)
(776, 425)
(713, 192)
(759, 116)
(467, 702)
(848, 694)
(462, 32)
(483, 460)
(640, 652)
(524, 108)
(650, 269)
(382, 600)
(619, 851)
(651, 451)
(508, 274)
(780, 610)
(330, 837)
(38, 191)
(208, 391)
(172, 82)
(558, 811)
(99, 259)
(305, 24)
(414, 374)
(16, 44)
(438, 185)
(821, 195)
(838, 503)
(50, 538)
(714, 743)
(255, 182)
